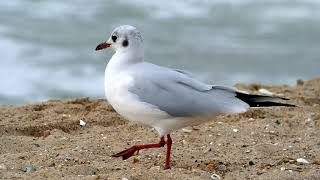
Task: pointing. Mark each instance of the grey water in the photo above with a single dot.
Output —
(47, 47)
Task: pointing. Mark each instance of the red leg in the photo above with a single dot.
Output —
(169, 143)
(130, 151)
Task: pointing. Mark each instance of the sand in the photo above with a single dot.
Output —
(44, 140)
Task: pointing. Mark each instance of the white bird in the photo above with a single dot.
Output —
(164, 98)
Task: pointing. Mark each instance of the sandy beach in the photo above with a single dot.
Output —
(44, 140)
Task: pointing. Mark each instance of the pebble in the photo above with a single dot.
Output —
(135, 160)
(184, 142)
(215, 177)
(29, 169)
(235, 130)
(124, 178)
(82, 123)
(186, 130)
(302, 161)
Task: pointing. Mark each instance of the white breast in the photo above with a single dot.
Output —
(128, 104)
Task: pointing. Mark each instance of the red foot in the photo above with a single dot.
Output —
(125, 154)
(130, 151)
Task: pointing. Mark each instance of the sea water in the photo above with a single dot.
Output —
(47, 47)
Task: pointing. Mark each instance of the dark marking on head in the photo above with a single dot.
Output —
(125, 43)
(114, 38)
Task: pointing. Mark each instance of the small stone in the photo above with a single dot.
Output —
(235, 130)
(291, 161)
(185, 130)
(282, 168)
(82, 123)
(124, 178)
(135, 160)
(251, 163)
(215, 177)
(248, 151)
(29, 169)
(302, 161)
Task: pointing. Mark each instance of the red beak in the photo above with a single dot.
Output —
(102, 46)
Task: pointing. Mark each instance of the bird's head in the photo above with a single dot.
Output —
(123, 38)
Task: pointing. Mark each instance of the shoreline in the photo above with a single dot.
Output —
(262, 143)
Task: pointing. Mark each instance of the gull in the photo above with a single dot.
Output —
(163, 98)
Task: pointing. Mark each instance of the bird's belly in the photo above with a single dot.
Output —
(128, 104)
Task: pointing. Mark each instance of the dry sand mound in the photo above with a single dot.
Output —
(259, 144)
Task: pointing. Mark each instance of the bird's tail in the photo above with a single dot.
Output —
(261, 101)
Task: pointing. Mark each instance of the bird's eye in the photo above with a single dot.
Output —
(125, 43)
(114, 38)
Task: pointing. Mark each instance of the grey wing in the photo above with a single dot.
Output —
(182, 96)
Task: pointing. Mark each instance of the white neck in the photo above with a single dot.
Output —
(124, 58)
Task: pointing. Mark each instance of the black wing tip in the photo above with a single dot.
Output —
(271, 104)
(257, 100)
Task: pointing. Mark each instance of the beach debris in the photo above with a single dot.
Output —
(293, 167)
(251, 163)
(207, 150)
(185, 130)
(29, 169)
(46, 134)
(82, 123)
(302, 161)
(135, 160)
(215, 176)
(184, 142)
(265, 92)
(235, 130)
(66, 115)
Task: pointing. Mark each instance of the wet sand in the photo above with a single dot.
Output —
(44, 140)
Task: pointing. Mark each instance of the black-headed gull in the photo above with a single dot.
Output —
(164, 98)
